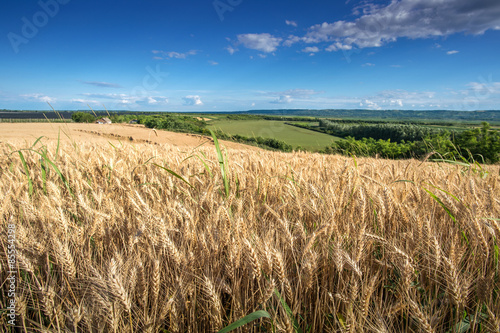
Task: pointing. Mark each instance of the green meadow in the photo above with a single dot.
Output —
(279, 130)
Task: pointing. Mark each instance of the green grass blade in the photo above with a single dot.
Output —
(52, 164)
(245, 320)
(58, 144)
(59, 173)
(139, 165)
(222, 164)
(404, 181)
(448, 211)
(26, 170)
(112, 145)
(36, 141)
(173, 173)
(289, 312)
(450, 162)
(202, 161)
(44, 175)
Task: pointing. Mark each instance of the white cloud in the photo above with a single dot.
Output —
(39, 98)
(292, 40)
(84, 101)
(285, 99)
(292, 23)
(388, 99)
(192, 100)
(172, 54)
(295, 93)
(261, 42)
(452, 52)
(102, 84)
(379, 24)
(338, 46)
(288, 96)
(311, 49)
(368, 64)
(370, 105)
(124, 99)
(231, 50)
(213, 63)
(484, 88)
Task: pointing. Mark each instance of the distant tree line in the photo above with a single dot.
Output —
(479, 144)
(387, 131)
(391, 115)
(83, 117)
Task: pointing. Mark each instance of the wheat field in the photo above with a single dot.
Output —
(107, 241)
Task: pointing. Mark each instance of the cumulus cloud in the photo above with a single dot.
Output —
(370, 105)
(284, 99)
(292, 39)
(231, 50)
(177, 55)
(287, 96)
(381, 24)
(398, 98)
(124, 99)
(338, 46)
(292, 23)
(311, 49)
(39, 98)
(84, 101)
(295, 93)
(452, 52)
(102, 84)
(484, 90)
(261, 42)
(192, 100)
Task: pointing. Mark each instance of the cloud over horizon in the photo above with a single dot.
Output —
(192, 100)
(102, 84)
(379, 25)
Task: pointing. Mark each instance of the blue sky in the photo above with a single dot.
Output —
(230, 55)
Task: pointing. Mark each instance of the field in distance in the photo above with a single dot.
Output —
(292, 135)
(95, 133)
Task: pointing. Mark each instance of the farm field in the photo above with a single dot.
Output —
(151, 237)
(275, 129)
(95, 133)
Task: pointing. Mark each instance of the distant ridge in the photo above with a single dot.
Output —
(486, 115)
(357, 114)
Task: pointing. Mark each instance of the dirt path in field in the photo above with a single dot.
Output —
(29, 132)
